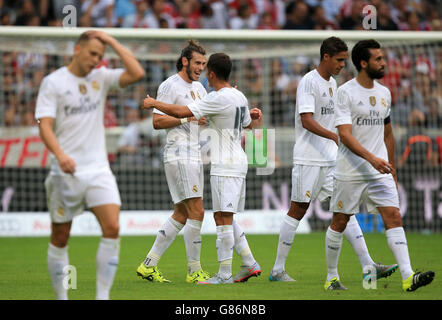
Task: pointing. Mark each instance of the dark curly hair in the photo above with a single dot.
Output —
(192, 46)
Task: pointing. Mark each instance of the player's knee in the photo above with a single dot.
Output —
(297, 210)
(197, 214)
(179, 216)
(392, 219)
(60, 238)
(111, 230)
(339, 222)
(219, 218)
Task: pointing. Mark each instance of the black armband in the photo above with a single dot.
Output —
(387, 120)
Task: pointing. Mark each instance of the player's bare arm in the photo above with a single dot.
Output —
(313, 126)
(162, 121)
(134, 71)
(47, 134)
(389, 143)
(346, 137)
(173, 110)
(256, 115)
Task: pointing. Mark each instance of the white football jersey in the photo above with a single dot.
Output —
(228, 112)
(182, 141)
(77, 105)
(318, 96)
(366, 110)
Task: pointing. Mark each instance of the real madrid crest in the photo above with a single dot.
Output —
(330, 90)
(373, 100)
(95, 85)
(192, 94)
(82, 88)
(340, 205)
(198, 95)
(60, 211)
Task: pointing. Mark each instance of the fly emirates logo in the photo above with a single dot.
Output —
(85, 106)
(374, 119)
(328, 109)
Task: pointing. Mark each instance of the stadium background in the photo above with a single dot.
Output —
(269, 56)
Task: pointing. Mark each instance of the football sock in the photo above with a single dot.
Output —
(286, 236)
(333, 244)
(224, 248)
(192, 240)
(398, 245)
(58, 259)
(242, 246)
(107, 264)
(164, 239)
(354, 235)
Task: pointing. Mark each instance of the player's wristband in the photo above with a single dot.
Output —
(183, 120)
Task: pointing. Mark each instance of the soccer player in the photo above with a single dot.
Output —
(228, 113)
(183, 167)
(314, 157)
(70, 108)
(365, 166)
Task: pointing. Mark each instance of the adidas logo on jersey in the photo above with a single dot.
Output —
(360, 103)
(324, 95)
(230, 205)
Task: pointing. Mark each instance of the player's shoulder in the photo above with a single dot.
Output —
(382, 88)
(233, 93)
(309, 76)
(346, 90)
(213, 96)
(101, 72)
(221, 96)
(173, 79)
(169, 84)
(60, 72)
(237, 92)
(55, 78)
(309, 80)
(198, 85)
(312, 74)
(348, 86)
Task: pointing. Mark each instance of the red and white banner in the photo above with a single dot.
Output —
(139, 223)
(23, 147)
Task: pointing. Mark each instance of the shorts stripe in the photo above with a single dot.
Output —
(184, 178)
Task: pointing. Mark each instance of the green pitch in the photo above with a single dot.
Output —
(24, 275)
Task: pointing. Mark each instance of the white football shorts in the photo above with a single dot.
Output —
(69, 195)
(228, 193)
(348, 195)
(311, 182)
(185, 179)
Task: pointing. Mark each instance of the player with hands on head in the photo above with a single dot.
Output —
(69, 110)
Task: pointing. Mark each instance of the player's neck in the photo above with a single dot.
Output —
(364, 80)
(75, 70)
(184, 76)
(218, 85)
(322, 70)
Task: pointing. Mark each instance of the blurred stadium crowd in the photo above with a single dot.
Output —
(226, 14)
(413, 72)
